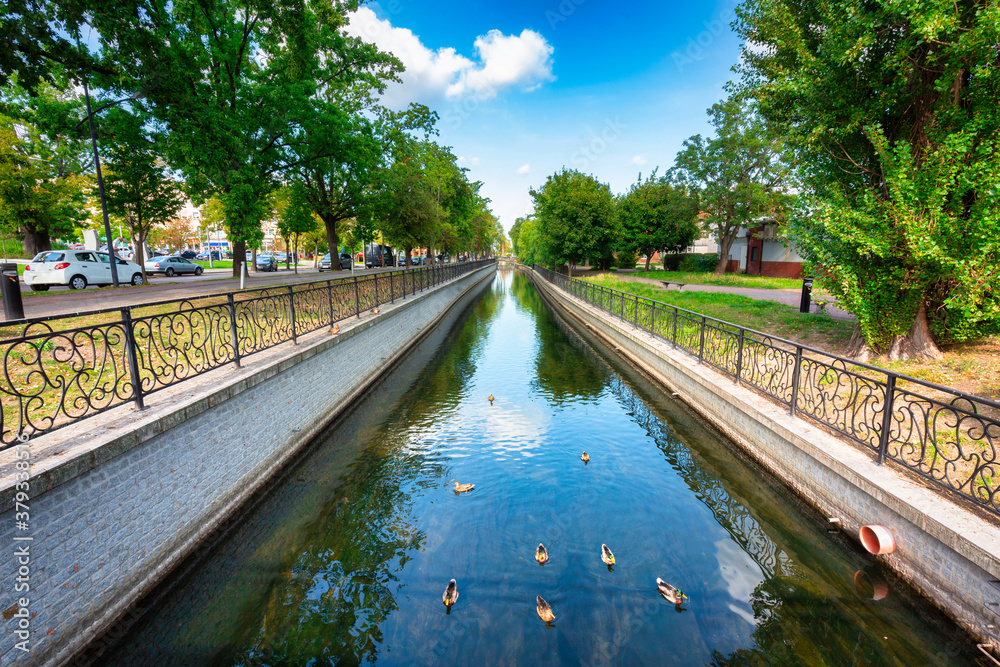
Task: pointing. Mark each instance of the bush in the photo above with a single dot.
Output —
(625, 259)
(694, 262)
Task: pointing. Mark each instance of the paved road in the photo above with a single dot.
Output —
(62, 301)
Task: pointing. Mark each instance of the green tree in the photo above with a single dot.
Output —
(892, 108)
(576, 220)
(656, 215)
(138, 189)
(43, 159)
(739, 175)
(295, 219)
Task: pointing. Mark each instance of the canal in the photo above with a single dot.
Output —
(344, 560)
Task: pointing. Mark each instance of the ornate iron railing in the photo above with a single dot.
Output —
(944, 435)
(59, 370)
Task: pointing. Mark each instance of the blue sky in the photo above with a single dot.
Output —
(525, 88)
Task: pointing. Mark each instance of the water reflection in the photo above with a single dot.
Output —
(345, 561)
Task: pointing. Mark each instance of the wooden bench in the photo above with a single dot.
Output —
(668, 283)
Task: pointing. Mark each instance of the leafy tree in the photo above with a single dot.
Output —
(408, 210)
(893, 109)
(739, 175)
(295, 219)
(138, 189)
(657, 216)
(576, 219)
(173, 235)
(43, 157)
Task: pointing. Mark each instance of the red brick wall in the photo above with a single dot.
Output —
(782, 269)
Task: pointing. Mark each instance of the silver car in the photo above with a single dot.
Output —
(172, 265)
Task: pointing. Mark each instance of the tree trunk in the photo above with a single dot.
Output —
(239, 257)
(916, 344)
(649, 256)
(333, 241)
(139, 248)
(295, 246)
(725, 245)
(430, 254)
(35, 242)
(569, 269)
(409, 251)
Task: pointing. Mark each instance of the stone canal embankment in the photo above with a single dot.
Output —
(947, 552)
(111, 505)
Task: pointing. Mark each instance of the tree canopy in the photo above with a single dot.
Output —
(656, 215)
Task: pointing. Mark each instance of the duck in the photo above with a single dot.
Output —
(335, 329)
(669, 592)
(464, 488)
(450, 596)
(544, 609)
(376, 311)
(491, 399)
(541, 554)
(606, 555)
(585, 457)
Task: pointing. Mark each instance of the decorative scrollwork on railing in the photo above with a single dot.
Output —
(847, 402)
(57, 377)
(176, 346)
(103, 358)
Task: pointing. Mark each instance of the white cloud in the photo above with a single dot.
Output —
(472, 161)
(523, 169)
(640, 160)
(503, 61)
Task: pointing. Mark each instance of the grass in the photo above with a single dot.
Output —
(726, 279)
(820, 331)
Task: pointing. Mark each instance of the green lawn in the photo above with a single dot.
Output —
(820, 331)
(726, 279)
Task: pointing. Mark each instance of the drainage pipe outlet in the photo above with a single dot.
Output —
(877, 539)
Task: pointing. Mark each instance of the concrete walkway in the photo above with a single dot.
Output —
(789, 297)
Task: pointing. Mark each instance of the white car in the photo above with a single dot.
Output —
(77, 268)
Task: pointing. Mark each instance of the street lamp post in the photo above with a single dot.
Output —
(100, 189)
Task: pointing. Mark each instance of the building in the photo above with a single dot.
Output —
(760, 251)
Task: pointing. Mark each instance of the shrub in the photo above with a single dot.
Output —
(625, 259)
(694, 262)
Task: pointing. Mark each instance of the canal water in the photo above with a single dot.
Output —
(345, 559)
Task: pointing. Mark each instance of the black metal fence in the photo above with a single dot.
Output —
(945, 436)
(59, 370)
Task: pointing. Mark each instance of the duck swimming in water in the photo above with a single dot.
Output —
(450, 596)
(585, 457)
(491, 399)
(541, 554)
(544, 609)
(669, 592)
(464, 488)
(606, 555)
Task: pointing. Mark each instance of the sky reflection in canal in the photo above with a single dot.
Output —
(345, 560)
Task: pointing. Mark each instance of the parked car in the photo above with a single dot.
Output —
(186, 254)
(281, 257)
(345, 262)
(377, 255)
(77, 269)
(203, 256)
(266, 262)
(169, 266)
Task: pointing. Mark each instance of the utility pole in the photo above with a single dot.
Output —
(100, 189)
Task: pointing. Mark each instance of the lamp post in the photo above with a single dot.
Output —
(100, 189)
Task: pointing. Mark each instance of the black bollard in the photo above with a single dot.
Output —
(10, 292)
(807, 288)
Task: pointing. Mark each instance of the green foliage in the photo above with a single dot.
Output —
(740, 175)
(626, 259)
(42, 159)
(894, 108)
(694, 262)
(656, 215)
(138, 189)
(576, 220)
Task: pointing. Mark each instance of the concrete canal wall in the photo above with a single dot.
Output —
(948, 553)
(115, 502)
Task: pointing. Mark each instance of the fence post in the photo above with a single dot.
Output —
(291, 311)
(133, 360)
(652, 318)
(636, 313)
(739, 357)
(329, 298)
(392, 296)
(377, 301)
(675, 327)
(701, 345)
(357, 299)
(234, 338)
(795, 379)
(883, 439)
